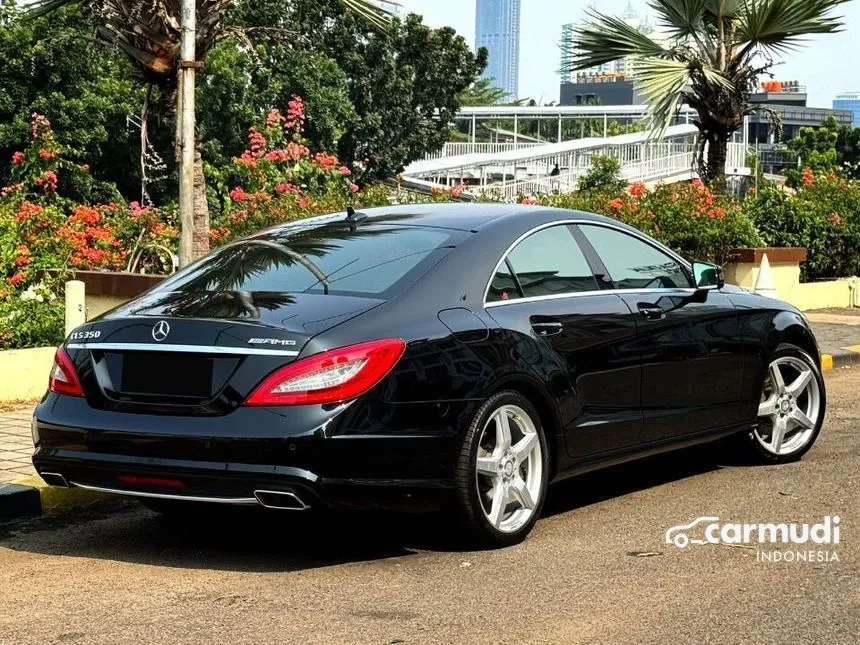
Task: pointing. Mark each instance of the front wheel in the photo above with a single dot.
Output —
(503, 470)
(791, 411)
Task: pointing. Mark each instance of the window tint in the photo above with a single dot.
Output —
(550, 262)
(634, 264)
(503, 286)
(364, 260)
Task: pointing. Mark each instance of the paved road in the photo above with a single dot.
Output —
(123, 576)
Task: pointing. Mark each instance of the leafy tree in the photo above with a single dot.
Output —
(713, 62)
(149, 33)
(483, 92)
(814, 149)
(403, 84)
(604, 175)
(48, 68)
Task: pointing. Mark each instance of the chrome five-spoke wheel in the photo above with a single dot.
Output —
(790, 408)
(509, 468)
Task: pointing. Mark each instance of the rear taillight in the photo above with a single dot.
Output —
(64, 379)
(330, 377)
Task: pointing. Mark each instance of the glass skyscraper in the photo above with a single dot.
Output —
(849, 101)
(497, 27)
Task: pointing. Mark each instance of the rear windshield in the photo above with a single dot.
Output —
(363, 260)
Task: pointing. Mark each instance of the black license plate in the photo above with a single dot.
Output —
(168, 373)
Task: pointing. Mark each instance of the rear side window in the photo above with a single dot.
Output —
(546, 263)
(633, 263)
(360, 260)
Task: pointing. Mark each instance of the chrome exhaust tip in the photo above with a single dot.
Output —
(55, 479)
(281, 500)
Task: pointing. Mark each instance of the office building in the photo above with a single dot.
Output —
(849, 101)
(497, 27)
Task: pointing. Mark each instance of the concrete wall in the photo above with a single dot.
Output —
(786, 278)
(24, 373)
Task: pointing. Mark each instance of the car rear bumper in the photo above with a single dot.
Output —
(242, 459)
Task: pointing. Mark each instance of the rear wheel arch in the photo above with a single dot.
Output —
(543, 404)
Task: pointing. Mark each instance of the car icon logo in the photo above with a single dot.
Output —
(160, 330)
(677, 534)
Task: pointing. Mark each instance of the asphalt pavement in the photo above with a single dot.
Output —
(595, 570)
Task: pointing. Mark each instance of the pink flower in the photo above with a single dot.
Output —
(304, 202)
(529, 201)
(835, 219)
(353, 188)
(18, 158)
(284, 187)
(346, 172)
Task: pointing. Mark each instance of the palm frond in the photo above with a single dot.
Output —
(779, 25)
(662, 82)
(376, 16)
(41, 7)
(606, 39)
(681, 18)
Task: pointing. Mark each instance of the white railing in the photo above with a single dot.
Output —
(456, 148)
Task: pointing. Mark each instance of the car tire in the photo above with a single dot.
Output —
(515, 473)
(782, 402)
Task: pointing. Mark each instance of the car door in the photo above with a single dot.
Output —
(691, 344)
(583, 337)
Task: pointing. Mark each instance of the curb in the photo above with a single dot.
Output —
(31, 497)
(841, 358)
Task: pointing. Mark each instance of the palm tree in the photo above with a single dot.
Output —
(149, 33)
(718, 50)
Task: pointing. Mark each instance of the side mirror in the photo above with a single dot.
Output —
(708, 276)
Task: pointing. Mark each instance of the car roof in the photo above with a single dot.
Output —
(461, 216)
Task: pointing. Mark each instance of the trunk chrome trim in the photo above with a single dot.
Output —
(186, 349)
(184, 498)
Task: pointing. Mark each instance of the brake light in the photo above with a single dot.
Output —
(64, 379)
(330, 377)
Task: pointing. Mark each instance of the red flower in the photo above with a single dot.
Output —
(529, 201)
(284, 187)
(238, 194)
(47, 154)
(16, 279)
(17, 158)
(616, 204)
(305, 202)
(835, 219)
(807, 178)
(458, 190)
(638, 189)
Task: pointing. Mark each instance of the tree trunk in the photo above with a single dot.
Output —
(201, 209)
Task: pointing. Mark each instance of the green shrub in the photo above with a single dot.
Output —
(33, 318)
(604, 175)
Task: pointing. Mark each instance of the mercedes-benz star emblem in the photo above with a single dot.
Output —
(160, 330)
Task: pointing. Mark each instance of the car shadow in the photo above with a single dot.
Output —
(259, 541)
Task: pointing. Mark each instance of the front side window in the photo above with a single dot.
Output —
(546, 263)
(633, 263)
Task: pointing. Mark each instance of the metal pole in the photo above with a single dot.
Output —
(187, 69)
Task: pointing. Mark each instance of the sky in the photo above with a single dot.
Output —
(828, 65)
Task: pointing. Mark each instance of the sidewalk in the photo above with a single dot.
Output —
(16, 444)
(838, 334)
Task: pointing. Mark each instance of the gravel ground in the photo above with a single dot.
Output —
(595, 570)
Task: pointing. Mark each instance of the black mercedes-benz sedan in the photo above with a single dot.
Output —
(426, 357)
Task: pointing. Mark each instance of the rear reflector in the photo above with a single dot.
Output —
(330, 377)
(150, 482)
(64, 379)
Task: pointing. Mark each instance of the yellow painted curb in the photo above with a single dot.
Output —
(60, 500)
(826, 362)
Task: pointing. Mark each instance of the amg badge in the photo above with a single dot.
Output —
(271, 341)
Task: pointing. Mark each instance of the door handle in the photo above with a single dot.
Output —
(549, 328)
(651, 312)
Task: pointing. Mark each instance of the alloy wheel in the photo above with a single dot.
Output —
(509, 468)
(790, 406)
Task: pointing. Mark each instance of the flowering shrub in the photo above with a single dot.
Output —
(33, 318)
(687, 217)
(41, 229)
(283, 180)
(822, 217)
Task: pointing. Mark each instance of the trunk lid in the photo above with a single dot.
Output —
(198, 353)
